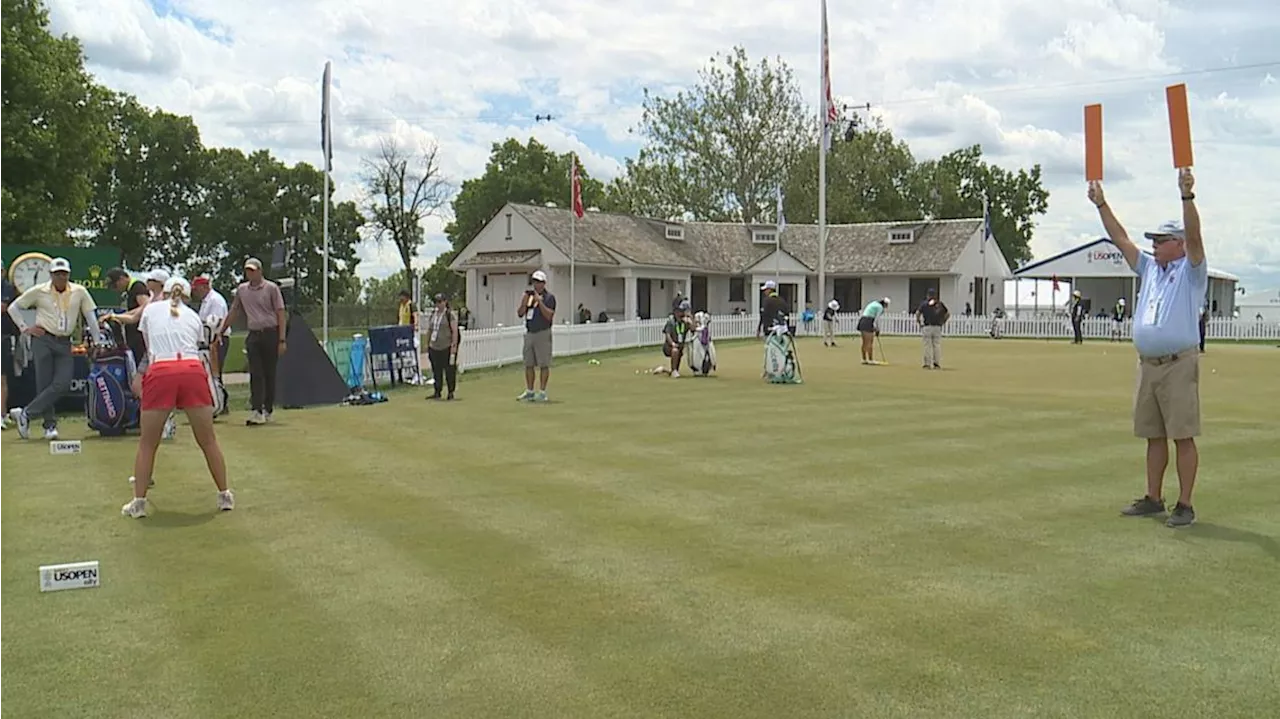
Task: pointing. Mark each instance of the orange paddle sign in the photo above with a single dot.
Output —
(1092, 142)
(1179, 125)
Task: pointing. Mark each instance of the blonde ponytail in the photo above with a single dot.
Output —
(175, 300)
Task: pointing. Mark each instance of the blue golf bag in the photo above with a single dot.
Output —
(109, 403)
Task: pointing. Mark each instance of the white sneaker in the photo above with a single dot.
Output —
(226, 501)
(136, 508)
(20, 419)
(170, 428)
(256, 418)
(51, 433)
(675, 374)
(266, 417)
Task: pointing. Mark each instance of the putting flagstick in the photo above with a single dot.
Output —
(1179, 126)
(883, 359)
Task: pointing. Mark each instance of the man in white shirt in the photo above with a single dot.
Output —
(61, 306)
(213, 310)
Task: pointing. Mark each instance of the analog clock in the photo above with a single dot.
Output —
(29, 270)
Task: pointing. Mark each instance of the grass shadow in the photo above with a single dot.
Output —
(172, 520)
(1267, 544)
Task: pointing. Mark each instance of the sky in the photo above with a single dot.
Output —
(1011, 75)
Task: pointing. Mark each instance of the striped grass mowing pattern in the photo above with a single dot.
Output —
(878, 542)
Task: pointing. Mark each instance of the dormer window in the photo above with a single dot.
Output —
(675, 232)
(901, 236)
(764, 237)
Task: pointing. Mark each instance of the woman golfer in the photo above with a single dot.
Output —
(867, 326)
(175, 379)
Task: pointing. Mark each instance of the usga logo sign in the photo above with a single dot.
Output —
(78, 575)
(1112, 256)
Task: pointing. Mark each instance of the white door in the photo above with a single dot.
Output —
(504, 292)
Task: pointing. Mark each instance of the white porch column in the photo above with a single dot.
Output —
(629, 296)
(754, 289)
(801, 291)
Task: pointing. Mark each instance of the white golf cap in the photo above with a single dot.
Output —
(160, 276)
(769, 285)
(59, 264)
(181, 284)
(539, 276)
(1172, 228)
(1121, 300)
(833, 305)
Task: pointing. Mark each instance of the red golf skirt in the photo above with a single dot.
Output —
(176, 384)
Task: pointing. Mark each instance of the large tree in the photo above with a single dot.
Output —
(55, 133)
(145, 197)
(403, 186)
(529, 173)
(870, 178)
(720, 150)
(953, 186)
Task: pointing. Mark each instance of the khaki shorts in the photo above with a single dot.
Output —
(1167, 402)
(537, 349)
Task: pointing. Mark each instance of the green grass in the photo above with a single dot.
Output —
(878, 542)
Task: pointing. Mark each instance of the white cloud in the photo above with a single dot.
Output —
(1010, 74)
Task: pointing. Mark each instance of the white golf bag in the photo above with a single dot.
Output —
(781, 366)
(702, 351)
(220, 397)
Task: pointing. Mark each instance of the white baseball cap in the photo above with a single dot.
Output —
(833, 305)
(1172, 228)
(59, 264)
(539, 276)
(183, 285)
(769, 285)
(160, 276)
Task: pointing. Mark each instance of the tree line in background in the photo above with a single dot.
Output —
(87, 165)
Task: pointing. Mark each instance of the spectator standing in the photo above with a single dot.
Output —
(829, 323)
(262, 304)
(1174, 281)
(932, 314)
(1077, 318)
(60, 305)
(442, 347)
(538, 308)
(213, 310)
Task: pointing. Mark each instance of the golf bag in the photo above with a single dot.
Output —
(781, 366)
(702, 351)
(221, 399)
(109, 403)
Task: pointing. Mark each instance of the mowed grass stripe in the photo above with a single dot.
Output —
(511, 564)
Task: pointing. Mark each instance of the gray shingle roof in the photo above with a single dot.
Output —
(727, 247)
(515, 257)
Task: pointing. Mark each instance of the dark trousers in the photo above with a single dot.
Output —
(263, 348)
(1076, 326)
(442, 369)
(223, 347)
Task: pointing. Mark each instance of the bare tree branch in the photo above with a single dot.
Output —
(403, 187)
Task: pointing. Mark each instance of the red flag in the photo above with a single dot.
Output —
(577, 190)
(1055, 283)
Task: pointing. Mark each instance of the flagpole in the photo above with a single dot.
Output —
(986, 225)
(777, 242)
(573, 240)
(327, 144)
(822, 162)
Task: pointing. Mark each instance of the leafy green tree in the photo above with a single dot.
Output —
(953, 186)
(869, 179)
(720, 150)
(55, 133)
(145, 196)
(528, 173)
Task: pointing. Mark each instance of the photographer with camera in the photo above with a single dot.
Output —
(538, 309)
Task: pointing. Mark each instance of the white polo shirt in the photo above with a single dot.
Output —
(169, 337)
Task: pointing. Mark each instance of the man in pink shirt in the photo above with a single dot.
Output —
(262, 304)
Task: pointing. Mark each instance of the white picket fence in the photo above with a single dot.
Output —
(504, 345)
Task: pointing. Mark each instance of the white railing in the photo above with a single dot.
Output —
(505, 345)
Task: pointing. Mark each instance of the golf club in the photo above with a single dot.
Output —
(883, 360)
